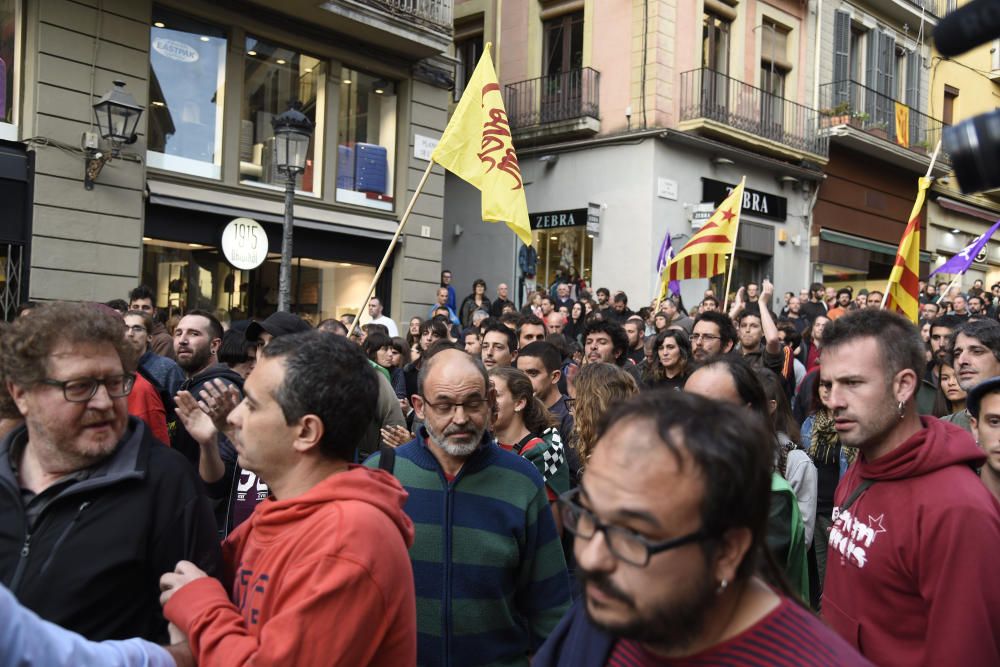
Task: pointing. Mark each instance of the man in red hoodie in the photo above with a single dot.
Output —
(910, 577)
(319, 574)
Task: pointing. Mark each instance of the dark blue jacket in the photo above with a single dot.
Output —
(575, 642)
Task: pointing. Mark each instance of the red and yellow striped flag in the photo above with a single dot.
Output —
(477, 147)
(704, 255)
(903, 292)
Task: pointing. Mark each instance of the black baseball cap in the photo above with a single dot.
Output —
(976, 395)
(278, 324)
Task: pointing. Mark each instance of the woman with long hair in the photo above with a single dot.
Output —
(671, 360)
(522, 424)
(950, 397)
(812, 341)
(821, 442)
(598, 387)
(660, 322)
(475, 301)
(431, 331)
(413, 332)
(575, 322)
(791, 461)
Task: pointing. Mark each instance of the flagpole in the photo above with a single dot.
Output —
(392, 246)
(930, 167)
(732, 256)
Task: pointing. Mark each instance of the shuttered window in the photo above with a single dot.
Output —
(841, 57)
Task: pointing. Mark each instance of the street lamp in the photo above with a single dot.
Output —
(292, 134)
(117, 115)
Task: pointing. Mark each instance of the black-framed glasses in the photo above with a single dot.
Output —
(624, 544)
(447, 408)
(82, 390)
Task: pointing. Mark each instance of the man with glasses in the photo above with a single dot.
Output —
(490, 575)
(92, 509)
(669, 525)
(713, 334)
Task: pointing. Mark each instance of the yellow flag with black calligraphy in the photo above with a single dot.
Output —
(477, 147)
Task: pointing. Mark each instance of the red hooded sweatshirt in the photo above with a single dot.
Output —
(321, 579)
(911, 567)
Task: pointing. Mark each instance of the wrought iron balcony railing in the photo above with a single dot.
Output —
(553, 98)
(712, 95)
(850, 103)
(437, 13)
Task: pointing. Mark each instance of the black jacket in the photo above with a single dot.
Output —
(92, 561)
(183, 442)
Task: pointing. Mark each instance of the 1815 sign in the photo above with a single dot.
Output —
(244, 243)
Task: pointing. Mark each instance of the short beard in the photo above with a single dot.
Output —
(460, 451)
(673, 628)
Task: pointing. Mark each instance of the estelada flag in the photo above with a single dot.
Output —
(903, 293)
(476, 146)
(704, 255)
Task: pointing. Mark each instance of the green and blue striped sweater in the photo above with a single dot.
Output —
(490, 575)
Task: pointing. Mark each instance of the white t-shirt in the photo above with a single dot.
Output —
(388, 324)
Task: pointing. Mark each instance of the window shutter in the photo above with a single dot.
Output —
(871, 71)
(914, 67)
(841, 57)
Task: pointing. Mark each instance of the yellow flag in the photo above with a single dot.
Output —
(477, 147)
(902, 125)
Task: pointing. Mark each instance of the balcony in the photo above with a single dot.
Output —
(911, 12)
(866, 120)
(413, 28)
(717, 105)
(562, 105)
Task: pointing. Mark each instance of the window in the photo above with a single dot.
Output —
(366, 140)
(187, 63)
(563, 44)
(10, 33)
(715, 43)
(948, 110)
(274, 77)
(468, 49)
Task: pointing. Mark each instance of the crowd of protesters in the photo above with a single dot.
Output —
(572, 483)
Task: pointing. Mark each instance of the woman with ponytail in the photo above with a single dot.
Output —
(522, 424)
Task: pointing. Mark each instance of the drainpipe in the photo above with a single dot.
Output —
(809, 227)
(819, 41)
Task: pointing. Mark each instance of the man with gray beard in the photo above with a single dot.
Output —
(491, 580)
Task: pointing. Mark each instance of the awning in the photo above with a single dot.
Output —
(865, 244)
(967, 209)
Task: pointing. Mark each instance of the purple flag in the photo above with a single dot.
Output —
(666, 254)
(961, 262)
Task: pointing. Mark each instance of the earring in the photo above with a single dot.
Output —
(723, 585)
(902, 409)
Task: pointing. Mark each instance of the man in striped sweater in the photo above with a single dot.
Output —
(490, 575)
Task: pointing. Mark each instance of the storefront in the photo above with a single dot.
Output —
(183, 263)
(860, 215)
(564, 246)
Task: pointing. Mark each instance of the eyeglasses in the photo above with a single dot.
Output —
(82, 390)
(624, 544)
(706, 337)
(138, 328)
(447, 408)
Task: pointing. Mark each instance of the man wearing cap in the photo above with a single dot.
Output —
(983, 404)
(276, 324)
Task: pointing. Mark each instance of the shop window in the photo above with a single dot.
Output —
(366, 140)
(187, 64)
(184, 276)
(273, 77)
(10, 38)
(565, 255)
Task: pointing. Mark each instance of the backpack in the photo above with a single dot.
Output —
(168, 404)
(387, 458)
